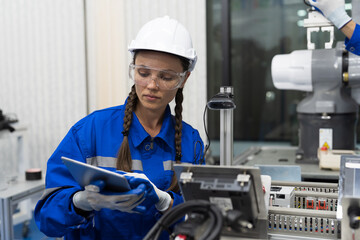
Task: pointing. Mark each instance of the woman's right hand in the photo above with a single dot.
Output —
(93, 199)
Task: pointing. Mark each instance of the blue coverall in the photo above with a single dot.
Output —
(95, 140)
(353, 44)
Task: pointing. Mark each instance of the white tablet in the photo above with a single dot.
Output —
(85, 174)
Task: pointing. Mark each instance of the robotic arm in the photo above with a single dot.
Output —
(332, 78)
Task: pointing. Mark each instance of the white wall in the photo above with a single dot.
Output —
(42, 70)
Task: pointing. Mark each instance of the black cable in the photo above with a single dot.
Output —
(307, 3)
(213, 213)
(207, 136)
(196, 155)
(179, 211)
(208, 231)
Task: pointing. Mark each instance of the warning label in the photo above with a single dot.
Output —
(326, 138)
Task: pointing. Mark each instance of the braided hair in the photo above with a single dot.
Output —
(124, 161)
(178, 134)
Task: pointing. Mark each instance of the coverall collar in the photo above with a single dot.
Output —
(167, 132)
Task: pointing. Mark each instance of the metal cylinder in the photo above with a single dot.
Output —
(226, 132)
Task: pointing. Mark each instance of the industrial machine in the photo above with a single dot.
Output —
(236, 190)
(220, 201)
(329, 113)
(230, 202)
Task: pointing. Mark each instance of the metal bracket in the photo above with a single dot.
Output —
(186, 177)
(243, 178)
(315, 22)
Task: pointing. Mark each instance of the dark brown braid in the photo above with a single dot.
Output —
(178, 133)
(124, 161)
(178, 120)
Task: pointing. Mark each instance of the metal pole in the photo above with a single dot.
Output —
(226, 132)
(8, 219)
(86, 56)
(226, 116)
(226, 43)
(2, 220)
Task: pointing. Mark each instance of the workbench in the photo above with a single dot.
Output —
(18, 192)
(284, 156)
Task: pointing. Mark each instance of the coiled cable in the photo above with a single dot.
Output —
(211, 211)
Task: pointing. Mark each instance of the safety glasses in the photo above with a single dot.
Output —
(166, 80)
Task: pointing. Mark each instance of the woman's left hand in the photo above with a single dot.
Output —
(161, 199)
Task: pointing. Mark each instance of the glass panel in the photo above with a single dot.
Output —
(259, 31)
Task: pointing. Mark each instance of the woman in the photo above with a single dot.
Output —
(140, 136)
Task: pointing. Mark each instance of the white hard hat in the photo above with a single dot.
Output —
(165, 35)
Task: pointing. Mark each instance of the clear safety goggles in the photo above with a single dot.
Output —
(166, 80)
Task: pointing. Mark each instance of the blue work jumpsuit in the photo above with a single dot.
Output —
(95, 140)
(353, 44)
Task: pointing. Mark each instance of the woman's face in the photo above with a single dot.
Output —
(151, 97)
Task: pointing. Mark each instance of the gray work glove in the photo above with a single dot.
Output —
(333, 10)
(91, 199)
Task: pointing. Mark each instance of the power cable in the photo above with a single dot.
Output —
(201, 207)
